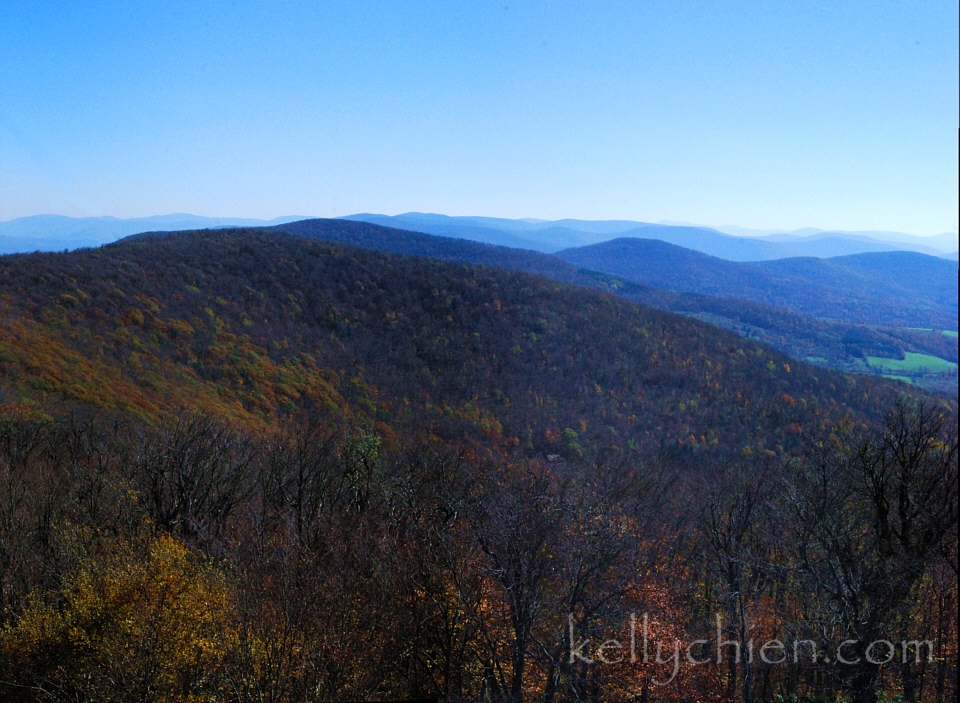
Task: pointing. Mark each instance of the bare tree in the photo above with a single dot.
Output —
(874, 513)
(733, 520)
(192, 475)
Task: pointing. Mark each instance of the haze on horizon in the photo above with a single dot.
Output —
(767, 116)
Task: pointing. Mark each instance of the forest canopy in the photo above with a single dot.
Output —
(243, 465)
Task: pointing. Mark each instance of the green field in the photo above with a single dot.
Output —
(913, 362)
(945, 333)
(905, 379)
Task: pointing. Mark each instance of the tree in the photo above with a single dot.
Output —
(146, 620)
(733, 521)
(874, 513)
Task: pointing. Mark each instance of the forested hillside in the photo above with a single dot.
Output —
(249, 465)
(836, 344)
(273, 323)
(892, 289)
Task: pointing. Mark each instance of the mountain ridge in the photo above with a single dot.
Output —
(883, 295)
(246, 323)
(57, 232)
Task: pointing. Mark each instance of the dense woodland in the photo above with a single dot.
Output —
(246, 465)
(859, 297)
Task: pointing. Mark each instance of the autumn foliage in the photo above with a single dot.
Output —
(302, 472)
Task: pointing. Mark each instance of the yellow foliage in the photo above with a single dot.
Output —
(136, 316)
(145, 622)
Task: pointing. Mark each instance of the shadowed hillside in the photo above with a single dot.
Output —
(835, 344)
(892, 289)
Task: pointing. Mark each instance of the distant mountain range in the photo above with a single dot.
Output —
(56, 233)
(946, 241)
(552, 236)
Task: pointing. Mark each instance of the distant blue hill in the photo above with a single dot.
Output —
(58, 232)
(442, 226)
(935, 245)
(552, 236)
(886, 288)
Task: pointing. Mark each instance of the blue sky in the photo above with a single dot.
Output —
(762, 114)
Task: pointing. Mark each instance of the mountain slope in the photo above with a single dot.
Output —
(256, 325)
(230, 457)
(907, 271)
(837, 345)
(551, 236)
(57, 233)
(936, 245)
(442, 226)
(863, 288)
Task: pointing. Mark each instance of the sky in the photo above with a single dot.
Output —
(788, 114)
